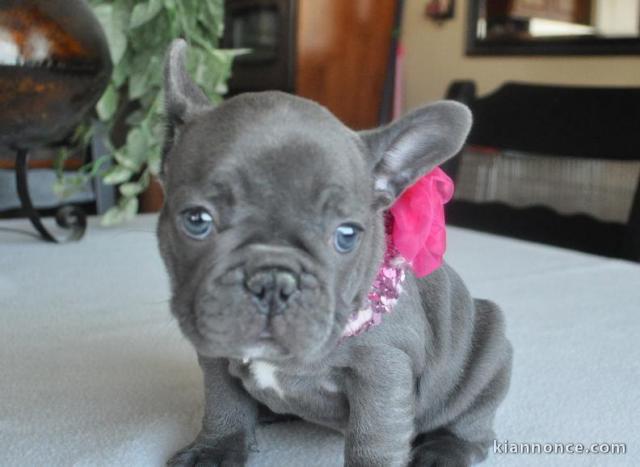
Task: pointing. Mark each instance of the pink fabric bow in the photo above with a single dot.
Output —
(418, 228)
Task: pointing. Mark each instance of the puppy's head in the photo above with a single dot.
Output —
(272, 227)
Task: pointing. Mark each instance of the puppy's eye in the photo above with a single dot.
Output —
(346, 237)
(197, 222)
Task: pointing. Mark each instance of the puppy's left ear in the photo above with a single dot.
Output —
(183, 99)
(407, 149)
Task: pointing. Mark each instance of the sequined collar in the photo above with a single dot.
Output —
(383, 294)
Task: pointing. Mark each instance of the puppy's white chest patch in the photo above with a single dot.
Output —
(264, 374)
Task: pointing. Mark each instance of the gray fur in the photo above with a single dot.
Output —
(278, 174)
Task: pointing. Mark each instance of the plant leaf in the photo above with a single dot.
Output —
(137, 85)
(121, 72)
(129, 208)
(108, 103)
(113, 30)
(125, 210)
(113, 216)
(155, 163)
(147, 76)
(117, 174)
(137, 146)
(131, 189)
(144, 12)
(122, 158)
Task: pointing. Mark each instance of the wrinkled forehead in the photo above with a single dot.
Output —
(301, 160)
(271, 153)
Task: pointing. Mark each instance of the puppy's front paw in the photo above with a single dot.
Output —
(203, 452)
(428, 458)
(443, 449)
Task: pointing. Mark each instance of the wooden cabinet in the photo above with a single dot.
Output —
(343, 49)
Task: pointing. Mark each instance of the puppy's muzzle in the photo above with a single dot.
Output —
(271, 289)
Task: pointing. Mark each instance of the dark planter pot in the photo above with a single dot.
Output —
(54, 66)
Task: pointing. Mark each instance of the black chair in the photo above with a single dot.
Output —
(562, 121)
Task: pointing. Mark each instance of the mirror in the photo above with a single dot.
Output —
(553, 27)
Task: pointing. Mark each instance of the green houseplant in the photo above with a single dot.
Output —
(138, 33)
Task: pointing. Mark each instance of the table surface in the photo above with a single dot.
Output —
(93, 370)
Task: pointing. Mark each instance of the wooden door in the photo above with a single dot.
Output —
(343, 49)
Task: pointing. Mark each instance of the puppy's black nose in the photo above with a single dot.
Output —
(272, 289)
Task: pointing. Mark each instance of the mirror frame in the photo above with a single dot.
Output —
(570, 46)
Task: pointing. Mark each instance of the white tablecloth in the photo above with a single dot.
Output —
(93, 370)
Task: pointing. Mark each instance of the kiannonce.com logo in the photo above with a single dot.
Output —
(512, 447)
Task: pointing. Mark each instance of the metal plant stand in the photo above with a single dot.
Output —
(72, 218)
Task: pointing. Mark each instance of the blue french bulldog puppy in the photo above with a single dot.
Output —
(272, 233)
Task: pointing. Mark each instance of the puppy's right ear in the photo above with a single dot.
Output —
(410, 147)
(183, 98)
